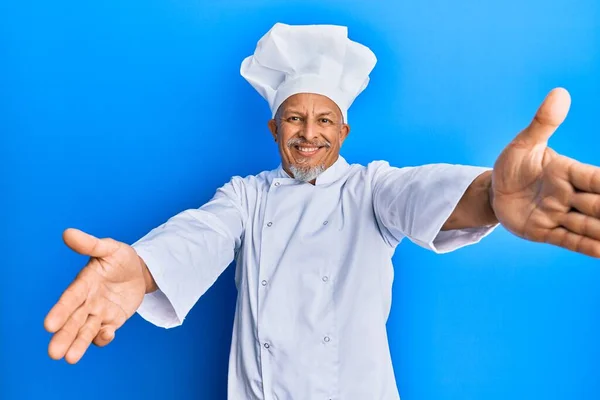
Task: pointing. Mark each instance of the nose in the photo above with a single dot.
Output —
(309, 131)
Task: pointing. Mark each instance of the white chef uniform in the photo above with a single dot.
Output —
(313, 262)
(313, 271)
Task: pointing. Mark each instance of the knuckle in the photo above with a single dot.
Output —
(595, 208)
(68, 331)
(87, 333)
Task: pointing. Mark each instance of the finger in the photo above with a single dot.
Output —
(582, 224)
(585, 177)
(105, 336)
(84, 243)
(572, 241)
(549, 116)
(586, 203)
(71, 299)
(63, 339)
(86, 334)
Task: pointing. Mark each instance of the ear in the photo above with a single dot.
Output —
(344, 132)
(273, 128)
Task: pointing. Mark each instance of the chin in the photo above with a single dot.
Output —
(305, 172)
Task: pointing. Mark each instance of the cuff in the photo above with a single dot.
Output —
(432, 237)
(158, 307)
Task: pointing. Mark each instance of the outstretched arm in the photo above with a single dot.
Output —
(186, 255)
(534, 192)
(475, 206)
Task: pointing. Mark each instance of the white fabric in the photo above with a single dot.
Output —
(319, 59)
(313, 271)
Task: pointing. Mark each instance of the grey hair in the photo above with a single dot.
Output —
(307, 174)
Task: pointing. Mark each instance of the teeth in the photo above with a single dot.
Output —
(308, 149)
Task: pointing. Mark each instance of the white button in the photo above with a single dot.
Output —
(327, 338)
(277, 184)
(267, 345)
(269, 224)
(325, 223)
(325, 278)
(264, 283)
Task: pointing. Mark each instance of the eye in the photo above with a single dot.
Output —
(293, 119)
(325, 120)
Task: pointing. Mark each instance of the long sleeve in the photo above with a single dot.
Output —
(415, 202)
(187, 254)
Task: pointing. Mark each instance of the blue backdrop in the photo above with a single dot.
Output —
(115, 115)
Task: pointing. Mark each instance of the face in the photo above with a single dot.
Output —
(309, 131)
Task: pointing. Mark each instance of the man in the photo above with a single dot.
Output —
(313, 239)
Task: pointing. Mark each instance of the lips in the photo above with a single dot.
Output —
(307, 151)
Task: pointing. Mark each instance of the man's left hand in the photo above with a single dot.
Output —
(542, 196)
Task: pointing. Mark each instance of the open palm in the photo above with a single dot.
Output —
(543, 196)
(105, 293)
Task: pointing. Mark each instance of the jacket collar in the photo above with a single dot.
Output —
(331, 174)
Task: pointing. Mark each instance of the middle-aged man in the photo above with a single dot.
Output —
(313, 239)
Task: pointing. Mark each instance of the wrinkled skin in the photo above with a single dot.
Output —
(542, 196)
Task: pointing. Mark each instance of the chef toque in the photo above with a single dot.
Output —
(319, 59)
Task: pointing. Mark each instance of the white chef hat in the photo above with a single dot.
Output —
(319, 59)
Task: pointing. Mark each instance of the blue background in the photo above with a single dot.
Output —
(115, 115)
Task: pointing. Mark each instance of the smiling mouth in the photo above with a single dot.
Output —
(308, 151)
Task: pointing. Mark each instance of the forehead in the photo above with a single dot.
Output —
(310, 102)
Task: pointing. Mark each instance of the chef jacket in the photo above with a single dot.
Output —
(313, 271)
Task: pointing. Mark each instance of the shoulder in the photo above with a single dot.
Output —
(371, 171)
(246, 189)
(253, 182)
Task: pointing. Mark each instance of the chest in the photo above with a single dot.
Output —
(307, 228)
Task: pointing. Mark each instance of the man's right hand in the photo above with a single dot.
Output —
(105, 293)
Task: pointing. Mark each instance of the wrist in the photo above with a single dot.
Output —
(491, 198)
(481, 205)
(149, 281)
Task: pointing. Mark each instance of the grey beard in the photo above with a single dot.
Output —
(306, 174)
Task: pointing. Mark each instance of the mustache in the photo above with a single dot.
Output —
(302, 142)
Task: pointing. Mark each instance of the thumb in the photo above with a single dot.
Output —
(548, 117)
(89, 245)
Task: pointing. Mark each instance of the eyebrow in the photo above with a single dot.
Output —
(325, 113)
(300, 113)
